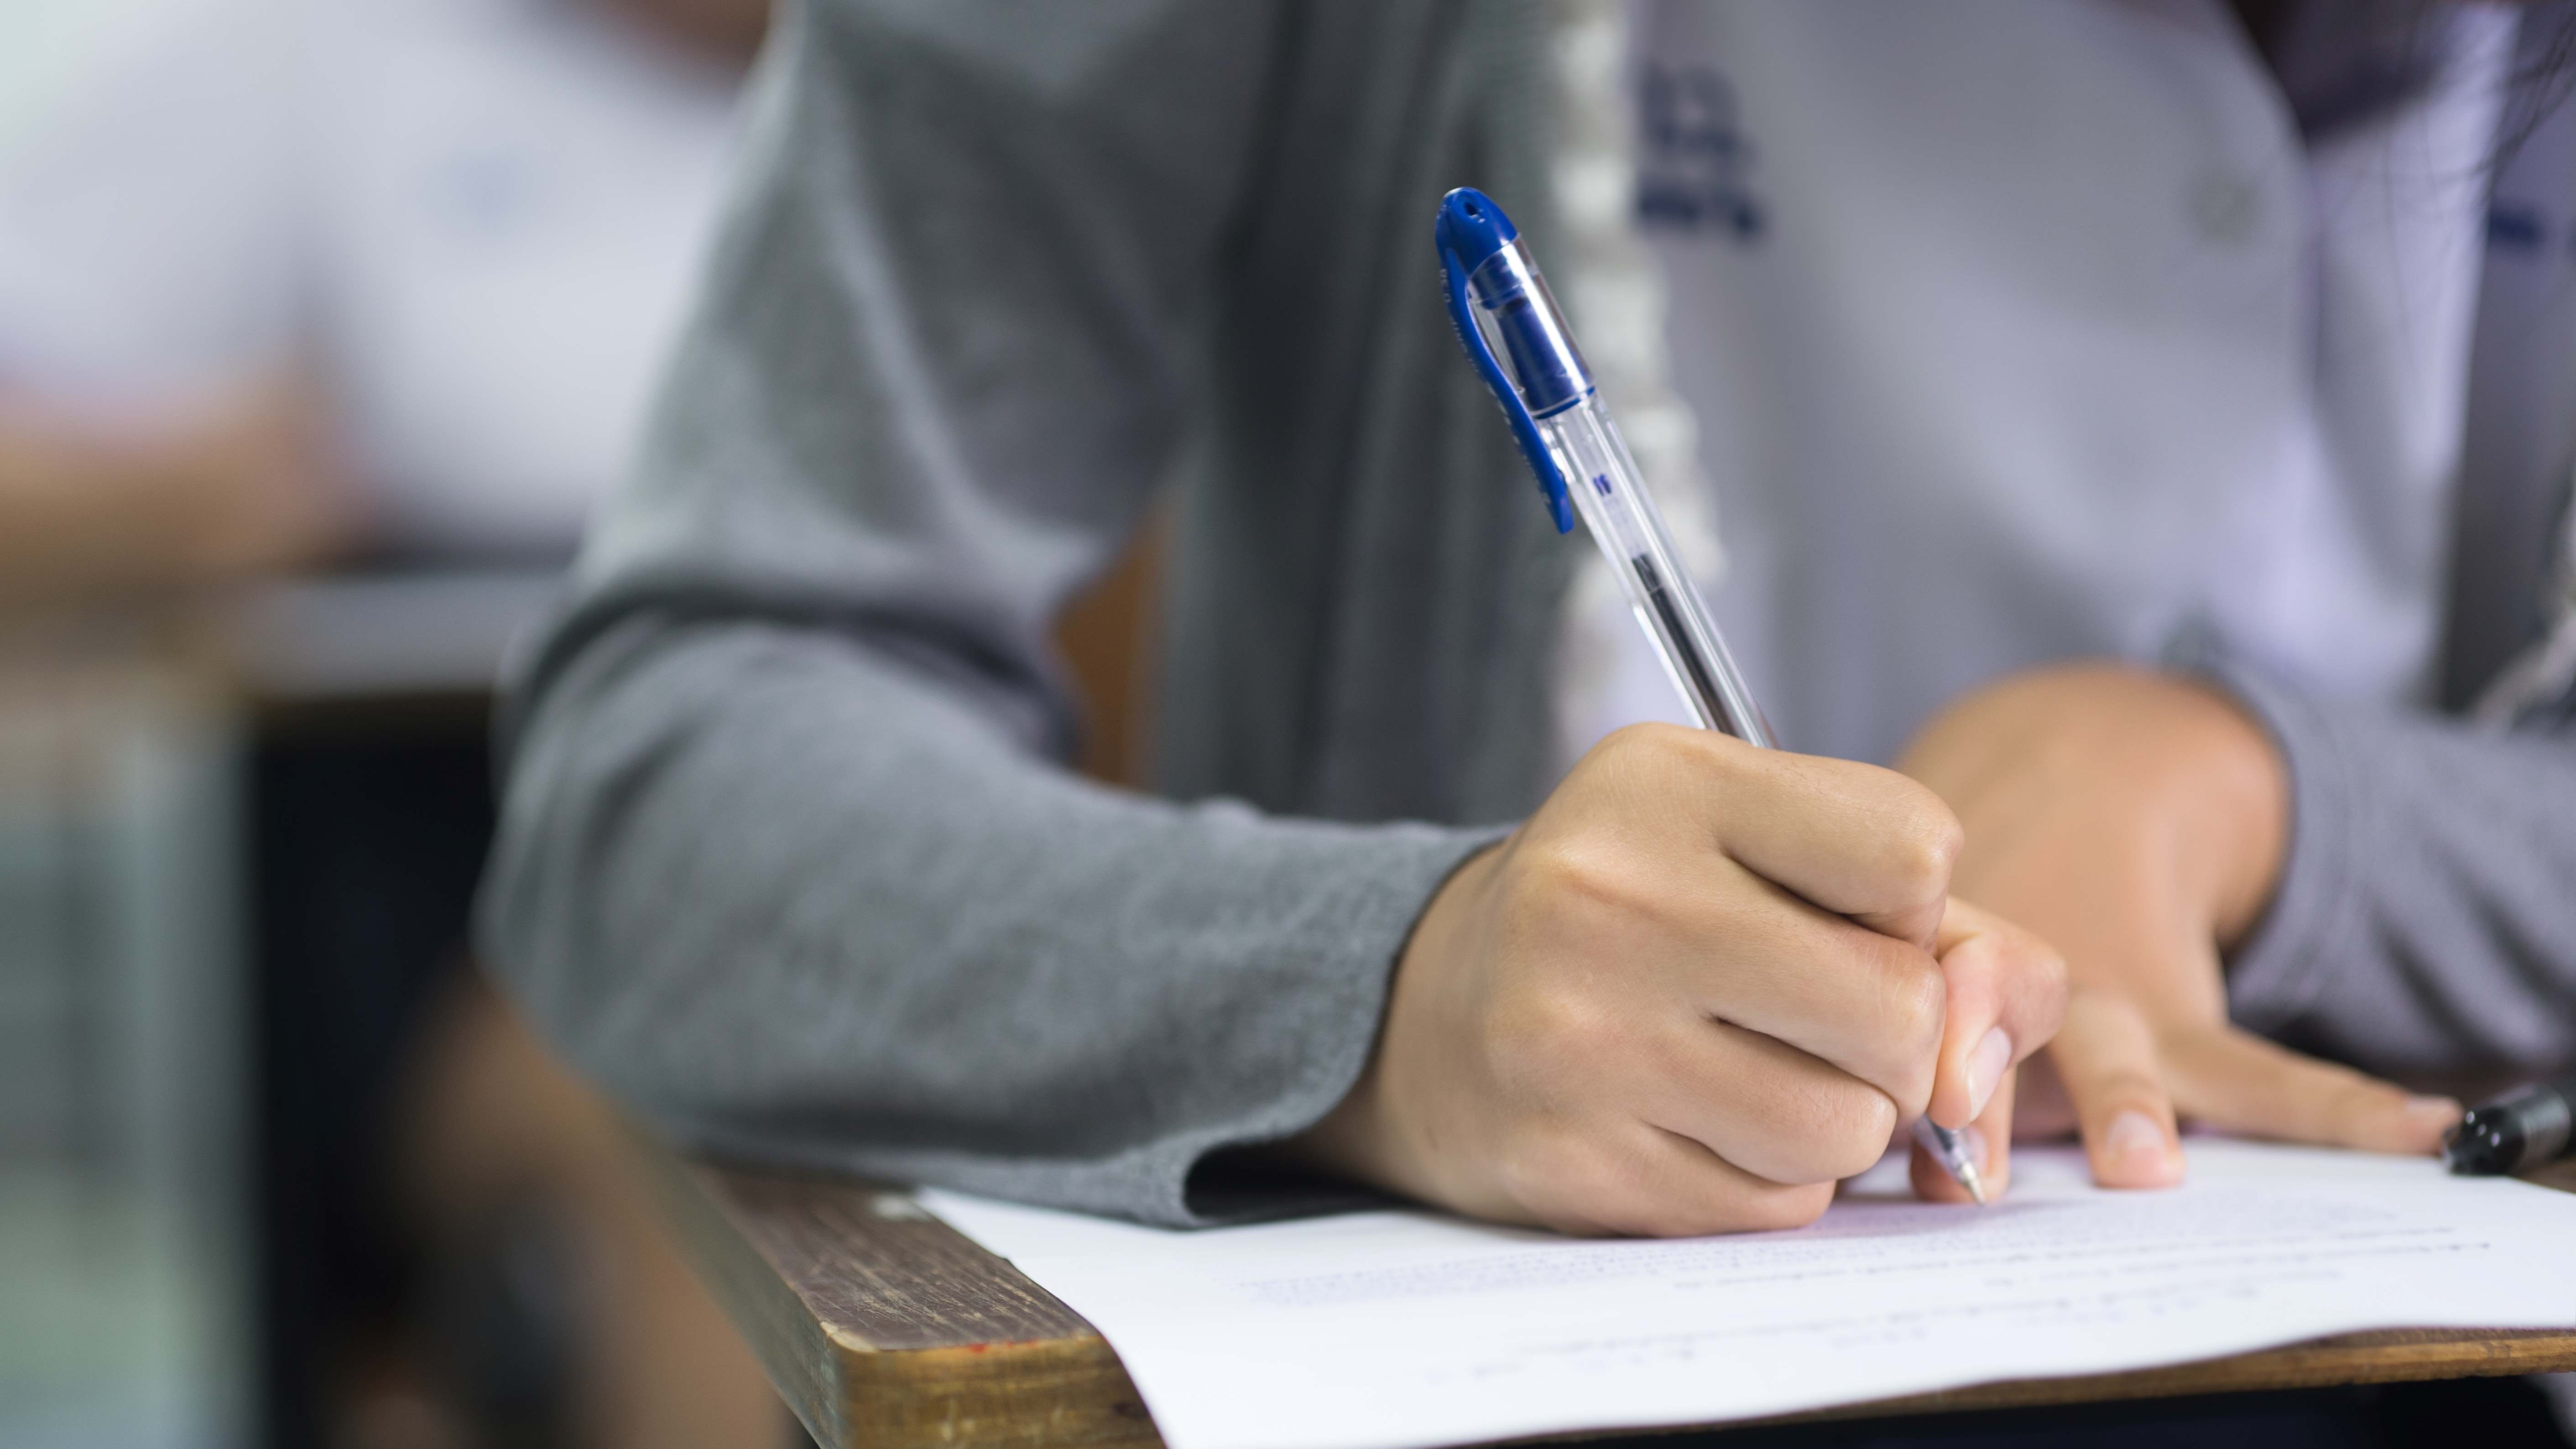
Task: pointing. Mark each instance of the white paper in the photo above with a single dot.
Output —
(1384, 1330)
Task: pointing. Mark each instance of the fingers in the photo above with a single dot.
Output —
(1871, 1006)
(1854, 839)
(2004, 995)
(2241, 1083)
(1768, 1108)
(1646, 1182)
(1793, 896)
(1989, 1141)
(2105, 1058)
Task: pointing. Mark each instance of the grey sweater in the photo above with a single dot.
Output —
(791, 860)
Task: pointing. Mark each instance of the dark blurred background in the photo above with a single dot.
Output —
(322, 323)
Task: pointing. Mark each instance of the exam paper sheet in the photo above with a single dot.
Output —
(1383, 1330)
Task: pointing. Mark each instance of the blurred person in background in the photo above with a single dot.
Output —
(2015, 332)
(378, 288)
(285, 282)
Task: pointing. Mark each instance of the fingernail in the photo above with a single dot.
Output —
(2434, 1113)
(1986, 1067)
(2134, 1134)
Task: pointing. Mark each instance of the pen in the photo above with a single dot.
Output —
(1519, 342)
(2523, 1128)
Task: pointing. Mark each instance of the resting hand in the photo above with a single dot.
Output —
(2139, 822)
(1702, 983)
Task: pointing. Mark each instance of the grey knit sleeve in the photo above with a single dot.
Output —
(2424, 927)
(789, 860)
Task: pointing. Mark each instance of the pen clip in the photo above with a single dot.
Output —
(1551, 479)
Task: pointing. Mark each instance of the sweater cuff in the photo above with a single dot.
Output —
(1362, 891)
(2276, 972)
(1213, 1177)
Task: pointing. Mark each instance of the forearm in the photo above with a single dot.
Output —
(2423, 926)
(785, 894)
(786, 861)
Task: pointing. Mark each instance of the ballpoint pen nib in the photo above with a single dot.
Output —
(1966, 1172)
(1950, 1149)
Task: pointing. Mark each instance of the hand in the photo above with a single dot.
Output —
(1702, 983)
(2139, 822)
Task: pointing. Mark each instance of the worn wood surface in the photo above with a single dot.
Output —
(885, 1328)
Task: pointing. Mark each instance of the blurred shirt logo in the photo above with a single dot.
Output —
(1695, 163)
(2517, 227)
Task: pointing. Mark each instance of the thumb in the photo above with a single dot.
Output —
(2239, 1082)
(2006, 991)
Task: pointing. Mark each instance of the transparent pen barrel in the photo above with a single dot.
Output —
(1621, 515)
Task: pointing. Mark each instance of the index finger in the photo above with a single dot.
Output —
(1852, 839)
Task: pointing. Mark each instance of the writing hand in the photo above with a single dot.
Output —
(1702, 983)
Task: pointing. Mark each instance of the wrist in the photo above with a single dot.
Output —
(2243, 803)
(1376, 1134)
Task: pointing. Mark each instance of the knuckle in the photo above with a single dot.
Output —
(2042, 970)
(1858, 1138)
(1630, 742)
(1657, 757)
(1840, 1129)
(2025, 955)
(1579, 874)
(1659, 743)
(1918, 838)
(1636, 749)
(1921, 842)
(2041, 964)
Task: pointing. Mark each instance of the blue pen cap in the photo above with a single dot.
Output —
(1471, 228)
(1503, 310)
(1514, 311)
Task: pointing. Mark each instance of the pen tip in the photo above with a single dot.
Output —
(1968, 1178)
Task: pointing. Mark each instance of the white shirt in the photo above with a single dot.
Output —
(2024, 329)
(481, 219)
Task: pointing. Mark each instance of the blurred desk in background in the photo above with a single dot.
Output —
(362, 640)
(884, 1328)
(446, 1241)
(124, 1293)
(238, 838)
(367, 811)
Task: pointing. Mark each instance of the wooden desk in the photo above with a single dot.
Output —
(885, 1328)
